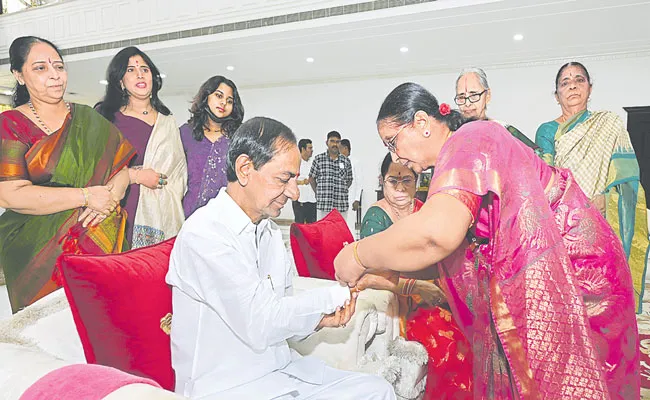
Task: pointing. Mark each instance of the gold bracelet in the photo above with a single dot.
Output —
(84, 191)
(355, 251)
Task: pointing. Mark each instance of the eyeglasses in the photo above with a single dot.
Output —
(473, 98)
(391, 145)
(406, 181)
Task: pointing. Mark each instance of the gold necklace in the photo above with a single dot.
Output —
(40, 121)
(396, 212)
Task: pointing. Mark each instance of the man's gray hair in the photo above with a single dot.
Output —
(482, 76)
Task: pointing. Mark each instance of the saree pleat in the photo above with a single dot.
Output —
(86, 151)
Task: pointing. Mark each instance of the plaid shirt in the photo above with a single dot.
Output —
(333, 177)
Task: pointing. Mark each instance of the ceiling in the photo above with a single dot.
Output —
(438, 41)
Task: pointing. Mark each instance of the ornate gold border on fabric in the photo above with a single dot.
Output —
(516, 355)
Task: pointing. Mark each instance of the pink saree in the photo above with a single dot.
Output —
(548, 302)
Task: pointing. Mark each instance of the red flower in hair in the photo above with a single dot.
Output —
(445, 109)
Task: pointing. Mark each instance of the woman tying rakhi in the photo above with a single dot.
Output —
(542, 289)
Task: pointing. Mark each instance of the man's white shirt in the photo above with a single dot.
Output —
(354, 193)
(307, 194)
(233, 309)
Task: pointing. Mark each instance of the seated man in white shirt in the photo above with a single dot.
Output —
(233, 309)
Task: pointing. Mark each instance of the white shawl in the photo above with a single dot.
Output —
(159, 215)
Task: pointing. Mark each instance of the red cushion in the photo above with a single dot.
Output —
(117, 302)
(315, 245)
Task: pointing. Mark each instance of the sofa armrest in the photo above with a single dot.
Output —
(141, 391)
(20, 367)
(46, 325)
(374, 324)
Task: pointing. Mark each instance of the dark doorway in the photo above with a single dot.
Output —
(638, 124)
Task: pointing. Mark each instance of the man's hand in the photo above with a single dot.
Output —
(355, 205)
(341, 316)
(380, 280)
(429, 293)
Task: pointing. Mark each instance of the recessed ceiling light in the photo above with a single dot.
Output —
(103, 82)
(163, 76)
(404, 49)
(230, 68)
(309, 60)
(518, 37)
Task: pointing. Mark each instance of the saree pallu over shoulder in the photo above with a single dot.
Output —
(586, 148)
(86, 151)
(160, 214)
(598, 151)
(552, 279)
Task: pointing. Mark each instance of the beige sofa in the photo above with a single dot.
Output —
(43, 337)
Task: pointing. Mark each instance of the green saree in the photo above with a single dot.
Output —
(86, 151)
(597, 149)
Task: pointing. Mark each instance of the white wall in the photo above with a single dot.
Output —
(179, 106)
(522, 96)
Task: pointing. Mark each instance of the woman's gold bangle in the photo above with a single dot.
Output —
(84, 191)
(355, 251)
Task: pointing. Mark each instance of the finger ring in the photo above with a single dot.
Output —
(159, 186)
(160, 181)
